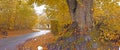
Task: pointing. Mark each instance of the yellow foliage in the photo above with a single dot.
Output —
(16, 14)
(107, 23)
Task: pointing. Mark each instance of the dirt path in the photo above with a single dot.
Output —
(32, 44)
(13, 42)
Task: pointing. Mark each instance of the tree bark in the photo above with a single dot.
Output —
(81, 13)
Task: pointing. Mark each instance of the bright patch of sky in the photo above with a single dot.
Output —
(39, 9)
(119, 3)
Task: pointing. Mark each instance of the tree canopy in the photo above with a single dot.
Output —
(16, 15)
(97, 18)
(106, 20)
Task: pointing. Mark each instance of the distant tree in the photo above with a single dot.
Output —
(16, 14)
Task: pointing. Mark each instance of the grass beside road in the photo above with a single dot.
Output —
(13, 33)
(32, 44)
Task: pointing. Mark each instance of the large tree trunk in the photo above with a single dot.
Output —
(82, 22)
(81, 13)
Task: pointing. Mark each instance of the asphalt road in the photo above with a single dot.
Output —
(11, 43)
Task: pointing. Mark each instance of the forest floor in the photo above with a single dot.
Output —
(14, 33)
(42, 41)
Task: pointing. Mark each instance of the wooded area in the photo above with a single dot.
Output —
(77, 24)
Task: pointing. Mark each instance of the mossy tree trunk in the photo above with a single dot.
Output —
(54, 27)
(81, 13)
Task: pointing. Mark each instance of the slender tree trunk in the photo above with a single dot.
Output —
(81, 13)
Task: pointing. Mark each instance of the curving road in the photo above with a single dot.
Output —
(11, 43)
